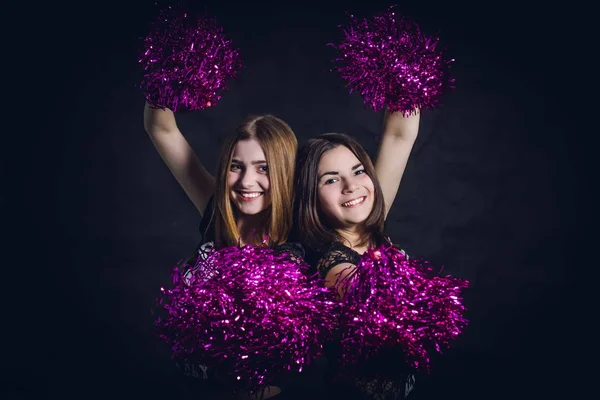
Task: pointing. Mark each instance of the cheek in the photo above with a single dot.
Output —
(264, 182)
(327, 199)
(369, 184)
(231, 179)
(371, 190)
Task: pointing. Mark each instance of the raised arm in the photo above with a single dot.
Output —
(196, 181)
(399, 135)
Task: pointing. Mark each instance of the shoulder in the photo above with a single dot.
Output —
(293, 249)
(334, 254)
(399, 249)
(387, 240)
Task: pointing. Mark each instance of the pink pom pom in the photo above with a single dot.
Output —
(395, 303)
(187, 62)
(391, 63)
(248, 312)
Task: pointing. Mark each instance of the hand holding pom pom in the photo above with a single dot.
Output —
(187, 62)
(259, 316)
(391, 301)
(389, 61)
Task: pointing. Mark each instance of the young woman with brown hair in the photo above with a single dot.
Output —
(342, 201)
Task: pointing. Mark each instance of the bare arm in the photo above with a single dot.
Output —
(181, 159)
(336, 275)
(399, 135)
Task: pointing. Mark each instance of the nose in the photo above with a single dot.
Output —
(349, 186)
(247, 180)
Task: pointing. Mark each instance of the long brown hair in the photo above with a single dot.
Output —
(310, 224)
(279, 144)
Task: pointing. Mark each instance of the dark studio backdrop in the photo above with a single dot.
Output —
(490, 192)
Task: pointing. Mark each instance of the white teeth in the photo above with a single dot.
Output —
(250, 195)
(353, 202)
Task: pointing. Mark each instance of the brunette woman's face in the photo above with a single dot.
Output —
(248, 178)
(345, 191)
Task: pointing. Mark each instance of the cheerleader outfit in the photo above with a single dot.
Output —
(200, 378)
(394, 380)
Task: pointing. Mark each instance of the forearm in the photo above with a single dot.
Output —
(399, 136)
(179, 156)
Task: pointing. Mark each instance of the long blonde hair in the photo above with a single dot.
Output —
(279, 144)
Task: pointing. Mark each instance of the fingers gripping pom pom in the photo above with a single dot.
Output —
(391, 302)
(187, 62)
(257, 317)
(389, 62)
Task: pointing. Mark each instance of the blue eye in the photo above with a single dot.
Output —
(263, 168)
(360, 171)
(235, 167)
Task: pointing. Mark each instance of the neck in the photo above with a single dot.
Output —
(249, 228)
(351, 236)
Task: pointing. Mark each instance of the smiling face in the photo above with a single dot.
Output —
(248, 178)
(346, 193)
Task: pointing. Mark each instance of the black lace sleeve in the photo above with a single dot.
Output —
(336, 254)
(294, 250)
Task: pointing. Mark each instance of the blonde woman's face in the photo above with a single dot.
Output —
(248, 178)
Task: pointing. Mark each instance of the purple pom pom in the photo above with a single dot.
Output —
(187, 62)
(392, 302)
(249, 312)
(391, 63)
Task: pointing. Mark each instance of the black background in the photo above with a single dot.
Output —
(493, 190)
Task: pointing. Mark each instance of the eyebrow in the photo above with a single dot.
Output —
(252, 162)
(337, 173)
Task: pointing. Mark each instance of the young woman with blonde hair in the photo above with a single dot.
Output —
(248, 202)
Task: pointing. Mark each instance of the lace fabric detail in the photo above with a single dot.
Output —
(334, 255)
(294, 251)
(337, 253)
(201, 254)
(386, 388)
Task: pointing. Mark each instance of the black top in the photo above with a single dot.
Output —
(325, 258)
(207, 224)
(334, 255)
(395, 382)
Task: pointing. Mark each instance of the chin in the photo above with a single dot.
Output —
(355, 223)
(357, 219)
(251, 209)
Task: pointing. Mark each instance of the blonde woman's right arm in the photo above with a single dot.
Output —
(184, 164)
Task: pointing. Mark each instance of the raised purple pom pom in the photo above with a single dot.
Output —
(187, 62)
(390, 62)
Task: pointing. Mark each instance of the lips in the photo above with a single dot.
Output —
(354, 202)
